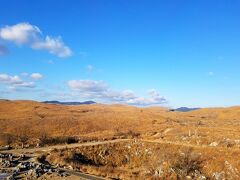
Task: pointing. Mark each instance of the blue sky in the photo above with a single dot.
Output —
(168, 53)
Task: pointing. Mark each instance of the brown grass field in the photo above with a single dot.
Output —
(205, 142)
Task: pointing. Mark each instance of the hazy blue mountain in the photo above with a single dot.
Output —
(185, 109)
(69, 103)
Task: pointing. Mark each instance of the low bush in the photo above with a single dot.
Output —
(7, 139)
(188, 164)
(45, 140)
(128, 134)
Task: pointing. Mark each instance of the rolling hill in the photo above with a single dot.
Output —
(202, 126)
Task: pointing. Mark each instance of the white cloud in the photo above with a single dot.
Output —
(87, 85)
(53, 45)
(15, 81)
(30, 35)
(25, 84)
(11, 79)
(154, 98)
(36, 76)
(21, 33)
(99, 90)
(128, 94)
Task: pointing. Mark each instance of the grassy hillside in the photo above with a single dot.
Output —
(204, 126)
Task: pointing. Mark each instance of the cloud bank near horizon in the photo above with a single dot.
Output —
(77, 90)
(99, 90)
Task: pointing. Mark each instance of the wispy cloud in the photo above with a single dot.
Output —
(99, 90)
(87, 85)
(53, 45)
(30, 35)
(15, 81)
(154, 98)
(36, 76)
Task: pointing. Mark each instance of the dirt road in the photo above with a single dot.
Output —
(188, 145)
(49, 148)
(83, 176)
(36, 151)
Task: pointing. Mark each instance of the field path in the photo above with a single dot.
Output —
(83, 176)
(49, 148)
(189, 145)
(34, 152)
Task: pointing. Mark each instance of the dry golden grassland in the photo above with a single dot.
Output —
(196, 144)
(144, 160)
(220, 126)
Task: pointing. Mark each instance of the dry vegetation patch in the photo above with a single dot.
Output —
(199, 144)
(29, 121)
(137, 160)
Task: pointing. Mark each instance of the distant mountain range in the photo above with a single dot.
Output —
(69, 103)
(184, 109)
(4, 100)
